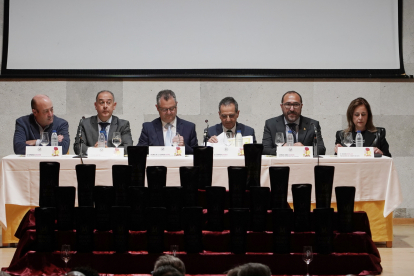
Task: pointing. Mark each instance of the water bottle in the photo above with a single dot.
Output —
(54, 139)
(101, 139)
(290, 139)
(239, 139)
(359, 141)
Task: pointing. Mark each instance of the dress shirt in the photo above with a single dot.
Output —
(173, 129)
(288, 128)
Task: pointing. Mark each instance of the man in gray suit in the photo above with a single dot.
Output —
(302, 127)
(105, 105)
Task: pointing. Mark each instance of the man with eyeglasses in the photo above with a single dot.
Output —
(104, 121)
(28, 128)
(168, 128)
(301, 127)
(228, 113)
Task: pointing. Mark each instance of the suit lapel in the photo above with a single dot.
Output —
(95, 132)
(219, 129)
(34, 127)
(303, 130)
(158, 132)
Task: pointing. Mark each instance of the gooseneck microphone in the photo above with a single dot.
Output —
(205, 134)
(315, 142)
(81, 155)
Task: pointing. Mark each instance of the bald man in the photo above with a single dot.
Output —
(28, 128)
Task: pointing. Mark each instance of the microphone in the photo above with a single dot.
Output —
(315, 142)
(205, 134)
(81, 155)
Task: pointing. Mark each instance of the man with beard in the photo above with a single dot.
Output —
(301, 127)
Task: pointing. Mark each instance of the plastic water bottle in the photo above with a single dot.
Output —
(54, 139)
(359, 141)
(290, 139)
(101, 139)
(239, 139)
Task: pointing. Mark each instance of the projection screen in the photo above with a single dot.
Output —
(201, 38)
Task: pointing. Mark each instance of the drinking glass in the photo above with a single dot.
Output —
(65, 255)
(45, 138)
(280, 139)
(307, 256)
(348, 141)
(176, 139)
(174, 249)
(116, 139)
(226, 139)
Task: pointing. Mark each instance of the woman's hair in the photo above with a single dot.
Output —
(172, 261)
(350, 113)
(250, 269)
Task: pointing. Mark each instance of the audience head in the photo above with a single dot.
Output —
(250, 269)
(42, 109)
(170, 260)
(105, 104)
(291, 106)
(83, 271)
(228, 112)
(167, 105)
(167, 270)
(359, 116)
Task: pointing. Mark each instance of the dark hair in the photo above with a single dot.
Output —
(228, 101)
(350, 113)
(165, 94)
(167, 270)
(254, 269)
(170, 260)
(291, 92)
(113, 96)
(86, 270)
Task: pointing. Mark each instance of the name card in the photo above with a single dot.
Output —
(223, 151)
(43, 151)
(106, 152)
(353, 152)
(295, 152)
(166, 151)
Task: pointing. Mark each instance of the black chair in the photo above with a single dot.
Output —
(84, 217)
(120, 227)
(324, 230)
(173, 203)
(239, 221)
(282, 219)
(85, 174)
(138, 198)
(65, 206)
(324, 176)
(157, 179)
(49, 179)
(345, 201)
(253, 163)
(302, 205)
(279, 182)
(45, 229)
(121, 179)
(189, 179)
(237, 185)
(259, 204)
(203, 158)
(104, 198)
(155, 217)
(193, 226)
(215, 208)
(137, 158)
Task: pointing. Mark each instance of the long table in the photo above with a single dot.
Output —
(378, 190)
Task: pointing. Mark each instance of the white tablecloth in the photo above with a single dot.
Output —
(375, 179)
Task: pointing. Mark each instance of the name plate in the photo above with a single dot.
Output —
(223, 151)
(295, 152)
(105, 152)
(166, 151)
(348, 152)
(43, 151)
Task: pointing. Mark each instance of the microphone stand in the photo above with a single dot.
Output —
(205, 134)
(81, 155)
(315, 142)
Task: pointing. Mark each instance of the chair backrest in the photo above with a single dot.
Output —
(104, 198)
(121, 179)
(85, 175)
(279, 182)
(138, 200)
(48, 180)
(173, 203)
(157, 179)
(189, 180)
(253, 163)
(237, 185)
(65, 206)
(137, 158)
(345, 201)
(302, 205)
(324, 177)
(203, 158)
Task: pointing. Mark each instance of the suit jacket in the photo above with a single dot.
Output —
(305, 135)
(152, 134)
(90, 133)
(27, 129)
(371, 139)
(245, 130)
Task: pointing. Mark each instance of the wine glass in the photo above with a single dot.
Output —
(174, 249)
(116, 139)
(348, 141)
(45, 138)
(307, 256)
(176, 139)
(65, 255)
(280, 139)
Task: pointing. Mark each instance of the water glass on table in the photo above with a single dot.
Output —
(116, 139)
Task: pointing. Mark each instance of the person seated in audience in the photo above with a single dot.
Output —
(250, 269)
(228, 113)
(28, 128)
(170, 260)
(84, 270)
(359, 117)
(167, 270)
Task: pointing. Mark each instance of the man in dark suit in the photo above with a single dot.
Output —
(228, 113)
(302, 127)
(28, 128)
(105, 105)
(163, 130)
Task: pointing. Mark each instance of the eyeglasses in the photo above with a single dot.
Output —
(289, 105)
(171, 109)
(225, 116)
(103, 102)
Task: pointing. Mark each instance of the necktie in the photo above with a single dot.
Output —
(230, 133)
(103, 128)
(167, 141)
(292, 127)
